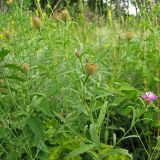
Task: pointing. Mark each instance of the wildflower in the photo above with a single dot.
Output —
(7, 34)
(25, 67)
(90, 69)
(149, 97)
(36, 21)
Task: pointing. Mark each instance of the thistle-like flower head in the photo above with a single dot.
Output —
(149, 97)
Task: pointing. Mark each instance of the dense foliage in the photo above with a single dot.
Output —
(71, 88)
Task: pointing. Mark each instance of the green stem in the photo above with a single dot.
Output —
(87, 77)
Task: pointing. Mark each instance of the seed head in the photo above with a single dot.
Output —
(36, 21)
(90, 69)
(25, 67)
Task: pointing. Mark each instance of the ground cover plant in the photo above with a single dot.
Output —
(79, 88)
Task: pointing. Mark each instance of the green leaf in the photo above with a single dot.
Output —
(13, 66)
(156, 79)
(40, 103)
(15, 77)
(125, 111)
(157, 147)
(134, 117)
(54, 155)
(36, 126)
(3, 132)
(117, 157)
(127, 88)
(114, 138)
(94, 134)
(94, 155)
(38, 94)
(101, 116)
(83, 149)
(131, 136)
(106, 135)
(71, 144)
(108, 152)
(12, 155)
(44, 107)
(3, 53)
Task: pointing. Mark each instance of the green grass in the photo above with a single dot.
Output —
(51, 109)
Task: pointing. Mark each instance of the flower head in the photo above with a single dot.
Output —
(25, 67)
(90, 69)
(129, 36)
(149, 97)
(65, 15)
(56, 15)
(36, 21)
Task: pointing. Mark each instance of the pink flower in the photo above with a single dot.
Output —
(149, 97)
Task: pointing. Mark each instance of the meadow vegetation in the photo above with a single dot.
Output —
(75, 88)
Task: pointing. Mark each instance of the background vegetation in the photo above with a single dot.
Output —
(71, 80)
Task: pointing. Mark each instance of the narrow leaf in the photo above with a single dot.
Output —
(84, 148)
(102, 116)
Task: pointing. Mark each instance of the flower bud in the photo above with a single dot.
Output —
(129, 36)
(36, 21)
(90, 69)
(25, 67)
(56, 16)
(64, 15)
(7, 34)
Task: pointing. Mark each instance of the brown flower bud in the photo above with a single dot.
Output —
(7, 34)
(64, 15)
(25, 67)
(90, 69)
(56, 15)
(36, 21)
(129, 35)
